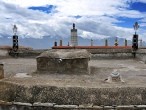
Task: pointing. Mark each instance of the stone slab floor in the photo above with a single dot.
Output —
(22, 71)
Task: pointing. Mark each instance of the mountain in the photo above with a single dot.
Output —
(48, 42)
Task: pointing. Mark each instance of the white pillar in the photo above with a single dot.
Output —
(74, 37)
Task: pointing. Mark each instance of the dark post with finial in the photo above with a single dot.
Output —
(73, 25)
(14, 50)
(135, 39)
(55, 43)
(125, 42)
(116, 41)
(15, 39)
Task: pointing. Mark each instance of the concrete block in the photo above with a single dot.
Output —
(63, 62)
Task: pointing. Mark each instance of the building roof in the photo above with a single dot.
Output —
(91, 47)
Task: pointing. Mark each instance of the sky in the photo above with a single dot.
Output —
(94, 19)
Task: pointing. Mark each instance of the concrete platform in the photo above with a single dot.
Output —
(23, 84)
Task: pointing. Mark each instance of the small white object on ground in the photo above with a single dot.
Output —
(22, 75)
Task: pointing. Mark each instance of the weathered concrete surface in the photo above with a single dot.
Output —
(13, 66)
(63, 61)
(3, 53)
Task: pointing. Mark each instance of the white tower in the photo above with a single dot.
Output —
(74, 37)
(91, 42)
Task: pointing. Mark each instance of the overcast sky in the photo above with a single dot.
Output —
(54, 18)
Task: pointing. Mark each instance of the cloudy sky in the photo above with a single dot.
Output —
(94, 19)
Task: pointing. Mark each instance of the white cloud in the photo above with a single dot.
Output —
(26, 3)
(90, 35)
(78, 7)
(98, 18)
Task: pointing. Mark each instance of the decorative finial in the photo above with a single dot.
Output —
(136, 26)
(73, 25)
(15, 29)
(116, 41)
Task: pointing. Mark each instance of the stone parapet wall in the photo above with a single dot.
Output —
(96, 53)
(141, 54)
(112, 56)
(29, 53)
(3, 53)
(21, 53)
(73, 95)
(109, 51)
(141, 51)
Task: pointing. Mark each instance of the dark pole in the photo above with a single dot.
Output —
(15, 46)
(135, 39)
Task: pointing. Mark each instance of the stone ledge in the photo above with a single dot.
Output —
(43, 104)
(40, 106)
